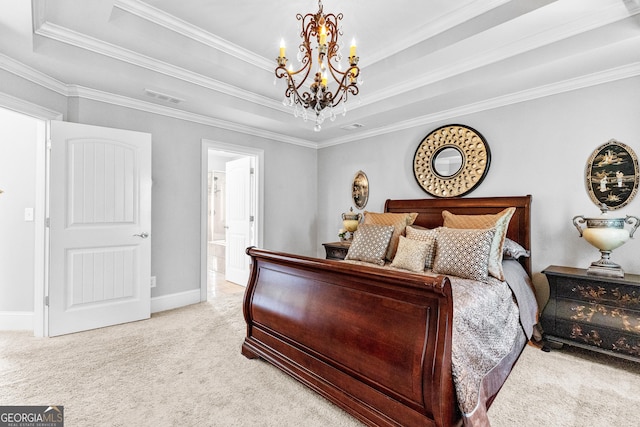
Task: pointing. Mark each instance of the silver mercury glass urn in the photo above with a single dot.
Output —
(606, 234)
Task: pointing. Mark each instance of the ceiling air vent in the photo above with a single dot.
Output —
(352, 126)
(163, 96)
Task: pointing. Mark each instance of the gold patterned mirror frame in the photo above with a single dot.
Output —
(475, 160)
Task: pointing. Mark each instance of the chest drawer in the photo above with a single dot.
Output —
(586, 289)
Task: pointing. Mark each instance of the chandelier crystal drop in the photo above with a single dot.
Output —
(305, 93)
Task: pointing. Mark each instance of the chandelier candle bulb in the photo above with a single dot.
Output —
(282, 49)
(323, 35)
(352, 49)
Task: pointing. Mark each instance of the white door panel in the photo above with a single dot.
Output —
(239, 216)
(100, 209)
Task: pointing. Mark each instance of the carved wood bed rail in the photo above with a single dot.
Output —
(375, 342)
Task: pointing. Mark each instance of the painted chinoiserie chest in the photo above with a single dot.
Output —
(594, 312)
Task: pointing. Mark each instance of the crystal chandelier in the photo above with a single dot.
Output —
(317, 98)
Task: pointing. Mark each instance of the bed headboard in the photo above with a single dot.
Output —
(430, 214)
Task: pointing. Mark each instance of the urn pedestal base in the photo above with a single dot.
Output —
(605, 267)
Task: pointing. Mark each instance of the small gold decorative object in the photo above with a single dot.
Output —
(360, 189)
(350, 222)
(606, 234)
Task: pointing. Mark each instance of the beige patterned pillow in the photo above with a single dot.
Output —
(398, 220)
(370, 242)
(463, 253)
(499, 221)
(424, 235)
(411, 254)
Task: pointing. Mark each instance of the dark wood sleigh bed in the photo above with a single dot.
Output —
(375, 342)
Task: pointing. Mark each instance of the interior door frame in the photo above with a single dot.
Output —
(41, 243)
(258, 154)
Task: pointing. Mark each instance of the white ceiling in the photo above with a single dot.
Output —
(421, 61)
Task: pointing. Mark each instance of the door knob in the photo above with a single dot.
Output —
(143, 235)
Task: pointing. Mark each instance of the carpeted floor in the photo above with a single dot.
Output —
(184, 368)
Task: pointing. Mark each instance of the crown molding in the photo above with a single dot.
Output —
(21, 70)
(123, 101)
(159, 17)
(91, 44)
(435, 26)
(43, 80)
(607, 76)
(510, 48)
(29, 108)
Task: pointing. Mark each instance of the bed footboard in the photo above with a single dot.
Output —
(375, 342)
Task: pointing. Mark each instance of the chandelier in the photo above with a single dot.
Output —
(316, 97)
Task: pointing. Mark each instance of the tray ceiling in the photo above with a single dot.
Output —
(422, 62)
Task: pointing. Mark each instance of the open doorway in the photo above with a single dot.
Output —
(232, 215)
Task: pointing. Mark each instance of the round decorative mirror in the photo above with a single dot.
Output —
(451, 161)
(360, 190)
(447, 162)
(612, 175)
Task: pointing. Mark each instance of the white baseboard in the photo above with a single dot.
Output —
(169, 302)
(16, 321)
(23, 320)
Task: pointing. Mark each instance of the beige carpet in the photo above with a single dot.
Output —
(184, 368)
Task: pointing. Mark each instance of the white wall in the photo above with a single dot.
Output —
(18, 136)
(539, 147)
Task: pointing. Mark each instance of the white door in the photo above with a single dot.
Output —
(239, 230)
(100, 225)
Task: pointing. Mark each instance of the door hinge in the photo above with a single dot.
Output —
(47, 222)
(252, 171)
(46, 301)
(251, 218)
(48, 144)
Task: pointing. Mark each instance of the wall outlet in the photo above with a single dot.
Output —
(153, 281)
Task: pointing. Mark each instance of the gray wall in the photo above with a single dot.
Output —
(538, 147)
(290, 208)
(289, 190)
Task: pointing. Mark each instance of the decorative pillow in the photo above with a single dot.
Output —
(424, 235)
(463, 253)
(370, 242)
(411, 254)
(399, 222)
(512, 249)
(499, 221)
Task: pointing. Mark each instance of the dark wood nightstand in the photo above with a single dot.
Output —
(593, 312)
(336, 250)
